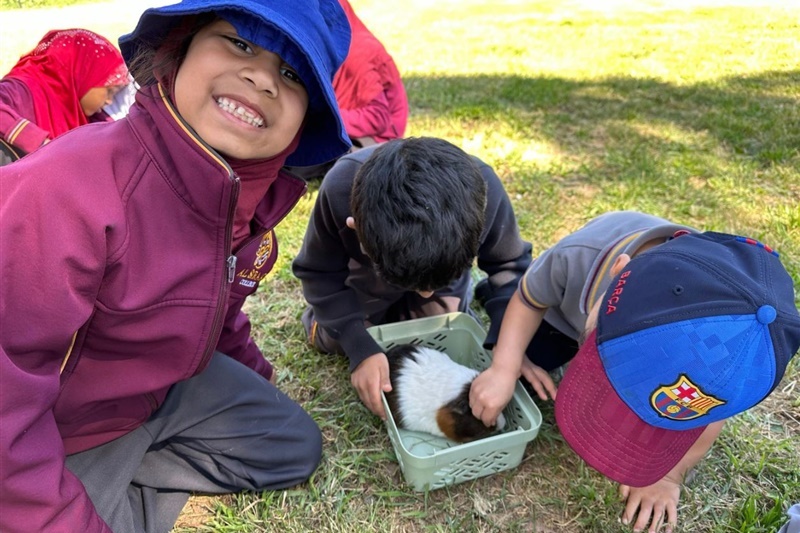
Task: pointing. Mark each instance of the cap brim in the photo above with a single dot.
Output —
(606, 433)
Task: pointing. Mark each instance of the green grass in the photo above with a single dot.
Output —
(687, 110)
(690, 113)
(31, 4)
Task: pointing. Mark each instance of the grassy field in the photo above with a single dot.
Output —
(685, 109)
(33, 4)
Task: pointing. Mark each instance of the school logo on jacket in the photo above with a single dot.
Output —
(683, 400)
(257, 257)
(264, 251)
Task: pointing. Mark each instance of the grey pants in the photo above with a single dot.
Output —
(224, 430)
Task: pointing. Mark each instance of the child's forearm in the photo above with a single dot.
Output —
(696, 452)
(520, 323)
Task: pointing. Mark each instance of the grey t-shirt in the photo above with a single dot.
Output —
(569, 277)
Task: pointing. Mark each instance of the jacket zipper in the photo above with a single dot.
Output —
(230, 261)
(151, 400)
(230, 270)
(228, 276)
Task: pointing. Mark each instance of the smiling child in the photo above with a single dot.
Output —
(132, 379)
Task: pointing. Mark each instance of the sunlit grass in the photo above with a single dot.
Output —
(33, 4)
(687, 110)
(688, 113)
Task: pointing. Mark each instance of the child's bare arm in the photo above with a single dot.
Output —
(493, 388)
(657, 504)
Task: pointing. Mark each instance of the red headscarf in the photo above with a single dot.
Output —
(62, 68)
(368, 69)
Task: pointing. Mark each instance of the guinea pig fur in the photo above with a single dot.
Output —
(430, 393)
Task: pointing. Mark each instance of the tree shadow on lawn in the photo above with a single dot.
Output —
(746, 116)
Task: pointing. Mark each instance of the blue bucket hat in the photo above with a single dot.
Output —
(311, 35)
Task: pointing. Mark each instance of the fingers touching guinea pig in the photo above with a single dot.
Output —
(430, 393)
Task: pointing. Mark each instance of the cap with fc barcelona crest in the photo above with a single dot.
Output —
(691, 332)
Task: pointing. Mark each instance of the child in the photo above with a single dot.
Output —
(369, 89)
(393, 234)
(60, 85)
(694, 329)
(132, 379)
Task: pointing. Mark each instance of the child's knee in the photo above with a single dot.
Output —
(313, 452)
(292, 457)
(317, 336)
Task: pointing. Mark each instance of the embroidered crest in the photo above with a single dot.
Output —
(683, 400)
(264, 251)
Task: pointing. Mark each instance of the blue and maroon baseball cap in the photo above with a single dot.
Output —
(691, 332)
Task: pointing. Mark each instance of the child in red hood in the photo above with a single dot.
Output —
(369, 91)
(58, 86)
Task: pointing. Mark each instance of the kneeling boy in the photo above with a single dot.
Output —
(689, 329)
(393, 235)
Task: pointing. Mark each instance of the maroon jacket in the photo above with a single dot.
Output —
(18, 118)
(119, 284)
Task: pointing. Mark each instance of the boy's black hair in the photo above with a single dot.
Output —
(419, 209)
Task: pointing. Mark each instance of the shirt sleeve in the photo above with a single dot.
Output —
(546, 281)
(322, 266)
(19, 131)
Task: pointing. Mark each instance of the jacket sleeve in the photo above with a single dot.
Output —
(16, 115)
(19, 131)
(503, 254)
(236, 342)
(322, 265)
(52, 257)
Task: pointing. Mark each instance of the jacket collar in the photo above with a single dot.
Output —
(194, 170)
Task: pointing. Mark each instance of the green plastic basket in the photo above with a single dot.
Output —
(429, 462)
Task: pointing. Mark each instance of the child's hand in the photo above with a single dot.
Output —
(490, 393)
(369, 379)
(539, 379)
(658, 501)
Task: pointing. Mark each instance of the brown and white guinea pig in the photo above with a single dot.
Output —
(430, 393)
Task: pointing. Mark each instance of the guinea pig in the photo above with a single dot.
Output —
(430, 393)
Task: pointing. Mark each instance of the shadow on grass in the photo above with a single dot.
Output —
(748, 115)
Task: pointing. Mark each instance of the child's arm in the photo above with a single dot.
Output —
(322, 265)
(503, 254)
(659, 501)
(20, 132)
(236, 342)
(492, 390)
(38, 492)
